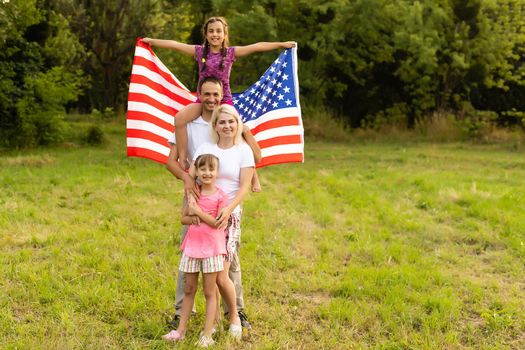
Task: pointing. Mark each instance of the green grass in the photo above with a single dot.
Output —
(380, 245)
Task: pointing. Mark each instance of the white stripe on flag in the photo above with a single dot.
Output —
(161, 98)
(147, 144)
(275, 132)
(144, 53)
(146, 108)
(132, 124)
(159, 79)
(282, 149)
(275, 114)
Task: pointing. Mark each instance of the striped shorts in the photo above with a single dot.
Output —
(205, 265)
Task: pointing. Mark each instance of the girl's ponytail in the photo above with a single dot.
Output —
(205, 54)
(223, 55)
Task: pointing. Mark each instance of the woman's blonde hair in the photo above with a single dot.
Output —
(230, 110)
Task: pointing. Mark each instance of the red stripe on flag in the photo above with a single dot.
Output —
(152, 66)
(135, 115)
(140, 79)
(146, 153)
(135, 97)
(276, 123)
(280, 140)
(281, 158)
(147, 135)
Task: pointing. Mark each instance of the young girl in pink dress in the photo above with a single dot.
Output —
(204, 248)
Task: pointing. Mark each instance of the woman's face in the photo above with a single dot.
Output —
(226, 126)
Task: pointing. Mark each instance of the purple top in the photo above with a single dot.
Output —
(213, 62)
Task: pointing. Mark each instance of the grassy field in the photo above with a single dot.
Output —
(367, 245)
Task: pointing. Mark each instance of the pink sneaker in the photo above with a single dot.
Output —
(173, 336)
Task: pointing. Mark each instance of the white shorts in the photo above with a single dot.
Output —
(205, 265)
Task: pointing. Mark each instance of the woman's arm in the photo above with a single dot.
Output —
(261, 47)
(172, 45)
(245, 181)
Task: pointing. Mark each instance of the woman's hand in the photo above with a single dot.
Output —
(289, 44)
(147, 40)
(223, 217)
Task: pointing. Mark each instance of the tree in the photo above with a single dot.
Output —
(38, 73)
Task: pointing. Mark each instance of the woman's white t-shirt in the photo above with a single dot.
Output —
(231, 161)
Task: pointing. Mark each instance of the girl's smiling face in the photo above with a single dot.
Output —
(207, 173)
(215, 34)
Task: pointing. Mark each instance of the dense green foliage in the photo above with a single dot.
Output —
(40, 72)
(369, 61)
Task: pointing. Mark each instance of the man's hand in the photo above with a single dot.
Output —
(190, 187)
(184, 164)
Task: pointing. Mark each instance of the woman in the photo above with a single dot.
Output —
(236, 168)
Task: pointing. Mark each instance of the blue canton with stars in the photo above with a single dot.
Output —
(274, 90)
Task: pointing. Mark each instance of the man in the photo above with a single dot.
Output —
(210, 94)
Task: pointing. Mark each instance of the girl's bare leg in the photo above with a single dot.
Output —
(209, 283)
(227, 290)
(187, 303)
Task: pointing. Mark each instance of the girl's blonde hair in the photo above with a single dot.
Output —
(230, 110)
(206, 44)
(207, 159)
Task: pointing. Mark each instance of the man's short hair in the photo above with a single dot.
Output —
(210, 79)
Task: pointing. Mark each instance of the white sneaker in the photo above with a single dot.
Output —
(235, 331)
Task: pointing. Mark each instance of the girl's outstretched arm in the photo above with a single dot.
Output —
(172, 45)
(261, 47)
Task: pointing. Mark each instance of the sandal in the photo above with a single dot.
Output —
(173, 336)
(205, 341)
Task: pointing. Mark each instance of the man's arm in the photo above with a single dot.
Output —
(174, 167)
(250, 140)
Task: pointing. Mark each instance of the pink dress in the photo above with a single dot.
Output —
(204, 241)
(213, 63)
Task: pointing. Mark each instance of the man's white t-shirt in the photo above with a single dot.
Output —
(231, 161)
(198, 133)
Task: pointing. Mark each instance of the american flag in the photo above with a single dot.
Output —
(270, 107)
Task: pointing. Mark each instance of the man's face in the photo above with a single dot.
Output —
(210, 96)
